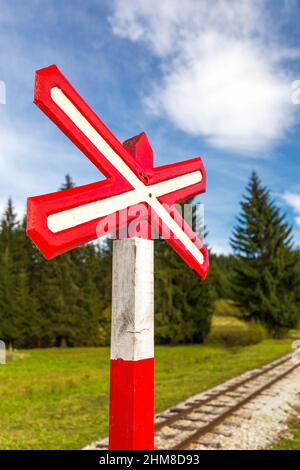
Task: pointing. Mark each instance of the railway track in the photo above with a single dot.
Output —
(188, 424)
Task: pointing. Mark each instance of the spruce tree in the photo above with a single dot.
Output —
(27, 318)
(70, 297)
(68, 183)
(8, 226)
(97, 290)
(9, 256)
(8, 319)
(183, 303)
(266, 275)
(220, 275)
(60, 294)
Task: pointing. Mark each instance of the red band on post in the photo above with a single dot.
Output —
(132, 403)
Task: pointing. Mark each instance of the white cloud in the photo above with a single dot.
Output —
(222, 68)
(294, 201)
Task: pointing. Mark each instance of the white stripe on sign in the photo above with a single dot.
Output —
(93, 210)
(97, 140)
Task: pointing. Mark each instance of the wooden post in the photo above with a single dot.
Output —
(131, 424)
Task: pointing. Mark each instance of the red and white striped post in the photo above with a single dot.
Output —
(61, 221)
(131, 422)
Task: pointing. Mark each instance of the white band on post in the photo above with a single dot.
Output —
(132, 331)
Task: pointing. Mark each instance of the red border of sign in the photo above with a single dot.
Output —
(40, 207)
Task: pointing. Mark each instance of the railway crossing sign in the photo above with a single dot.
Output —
(134, 194)
(63, 220)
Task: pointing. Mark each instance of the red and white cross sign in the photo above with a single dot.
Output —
(63, 220)
(133, 191)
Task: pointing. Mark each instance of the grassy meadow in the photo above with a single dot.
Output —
(58, 398)
(292, 442)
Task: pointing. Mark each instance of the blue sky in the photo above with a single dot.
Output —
(201, 78)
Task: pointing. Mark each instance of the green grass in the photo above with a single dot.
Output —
(58, 398)
(225, 307)
(290, 443)
(232, 331)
